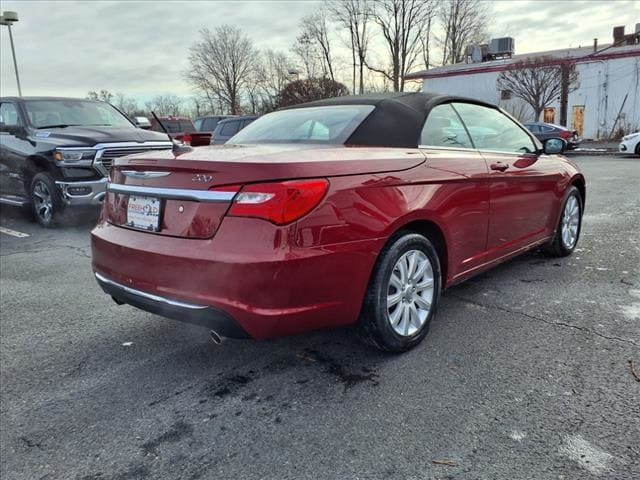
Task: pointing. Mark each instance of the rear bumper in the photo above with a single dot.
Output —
(83, 193)
(201, 315)
(259, 280)
(573, 143)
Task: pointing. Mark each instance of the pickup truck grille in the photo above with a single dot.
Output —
(109, 154)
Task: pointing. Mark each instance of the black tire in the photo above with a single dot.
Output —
(638, 149)
(557, 247)
(45, 211)
(375, 326)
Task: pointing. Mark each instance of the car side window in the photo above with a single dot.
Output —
(229, 129)
(443, 128)
(9, 114)
(533, 128)
(490, 129)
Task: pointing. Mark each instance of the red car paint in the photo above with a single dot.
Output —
(313, 273)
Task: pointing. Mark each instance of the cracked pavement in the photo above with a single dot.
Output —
(524, 375)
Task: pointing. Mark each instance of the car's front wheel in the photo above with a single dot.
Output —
(46, 201)
(403, 294)
(569, 226)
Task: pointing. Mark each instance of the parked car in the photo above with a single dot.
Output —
(630, 143)
(56, 152)
(544, 131)
(181, 130)
(353, 209)
(208, 124)
(229, 127)
(142, 122)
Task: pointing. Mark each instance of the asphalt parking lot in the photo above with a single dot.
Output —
(526, 373)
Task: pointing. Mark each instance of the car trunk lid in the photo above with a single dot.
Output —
(188, 195)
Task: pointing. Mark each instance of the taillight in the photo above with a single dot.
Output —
(565, 134)
(280, 203)
(186, 139)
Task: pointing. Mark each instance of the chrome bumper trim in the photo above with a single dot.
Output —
(173, 193)
(94, 197)
(149, 296)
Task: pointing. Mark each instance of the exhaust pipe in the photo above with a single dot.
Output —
(215, 338)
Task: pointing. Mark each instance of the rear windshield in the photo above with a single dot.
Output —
(323, 125)
(66, 113)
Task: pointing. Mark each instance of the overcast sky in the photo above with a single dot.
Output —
(140, 48)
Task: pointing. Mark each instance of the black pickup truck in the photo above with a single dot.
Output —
(56, 152)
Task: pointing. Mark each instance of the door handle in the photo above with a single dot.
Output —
(499, 166)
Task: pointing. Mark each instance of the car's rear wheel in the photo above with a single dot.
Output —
(403, 294)
(569, 226)
(638, 149)
(46, 201)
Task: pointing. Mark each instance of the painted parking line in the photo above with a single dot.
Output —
(13, 233)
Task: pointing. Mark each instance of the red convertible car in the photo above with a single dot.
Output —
(342, 211)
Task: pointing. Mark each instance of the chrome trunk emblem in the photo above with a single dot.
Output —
(136, 174)
(198, 177)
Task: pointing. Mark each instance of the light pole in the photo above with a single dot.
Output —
(8, 19)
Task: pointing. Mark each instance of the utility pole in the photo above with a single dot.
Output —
(8, 19)
(565, 69)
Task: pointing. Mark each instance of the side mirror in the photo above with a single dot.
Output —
(553, 146)
(12, 129)
(142, 122)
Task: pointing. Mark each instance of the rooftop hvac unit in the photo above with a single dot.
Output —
(474, 53)
(618, 34)
(502, 46)
(484, 48)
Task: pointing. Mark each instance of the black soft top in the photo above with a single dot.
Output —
(397, 119)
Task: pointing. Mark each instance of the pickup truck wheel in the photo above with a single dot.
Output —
(403, 294)
(46, 201)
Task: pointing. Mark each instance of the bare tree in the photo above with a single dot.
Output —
(426, 40)
(306, 50)
(273, 75)
(127, 105)
(354, 15)
(518, 109)
(464, 22)
(311, 89)
(538, 81)
(103, 95)
(166, 105)
(314, 27)
(221, 63)
(403, 24)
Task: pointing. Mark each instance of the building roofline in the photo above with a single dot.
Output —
(501, 65)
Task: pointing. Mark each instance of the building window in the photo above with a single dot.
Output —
(505, 94)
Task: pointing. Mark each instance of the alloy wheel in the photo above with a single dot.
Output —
(570, 222)
(42, 201)
(410, 293)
